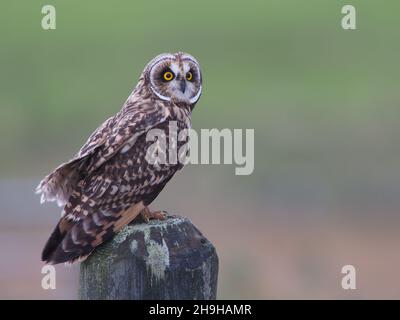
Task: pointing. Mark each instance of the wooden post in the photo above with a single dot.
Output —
(163, 260)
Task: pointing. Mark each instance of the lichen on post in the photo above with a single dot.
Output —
(167, 259)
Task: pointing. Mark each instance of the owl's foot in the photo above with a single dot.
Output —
(147, 215)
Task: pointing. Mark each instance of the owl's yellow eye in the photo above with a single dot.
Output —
(189, 76)
(168, 75)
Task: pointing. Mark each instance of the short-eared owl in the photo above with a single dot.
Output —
(110, 181)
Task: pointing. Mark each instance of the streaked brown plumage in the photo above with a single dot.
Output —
(109, 182)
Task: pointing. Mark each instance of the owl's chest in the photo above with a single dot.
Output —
(173, 131)
(167, 143)
(164, 147)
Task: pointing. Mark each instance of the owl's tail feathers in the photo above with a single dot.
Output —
(62, 245)
(57, 248)
(55, 240)
(74, 240)
(52, 243)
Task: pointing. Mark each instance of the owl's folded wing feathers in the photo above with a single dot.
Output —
(104, 142)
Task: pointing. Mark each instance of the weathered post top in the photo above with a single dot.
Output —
(168, 259)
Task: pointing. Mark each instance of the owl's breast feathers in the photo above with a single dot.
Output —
(107, 184)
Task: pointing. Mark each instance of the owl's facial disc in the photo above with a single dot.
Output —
(176, 78)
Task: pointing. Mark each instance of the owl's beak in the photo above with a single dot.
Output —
(182, 85)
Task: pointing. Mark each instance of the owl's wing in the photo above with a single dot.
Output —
(58, 185)
(88, 220)
(125, 133)
(108, 139)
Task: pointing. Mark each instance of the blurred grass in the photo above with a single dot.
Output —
(324, 101)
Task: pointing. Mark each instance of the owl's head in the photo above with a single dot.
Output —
(174, 77)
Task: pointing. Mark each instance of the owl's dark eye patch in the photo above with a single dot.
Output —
(192, 75)
(167, 75)
(189, 76)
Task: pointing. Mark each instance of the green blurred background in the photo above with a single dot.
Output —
(324, 103)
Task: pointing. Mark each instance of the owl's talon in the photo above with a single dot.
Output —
(159, 215)
(166, 213)
(145, 218)
(147, 215)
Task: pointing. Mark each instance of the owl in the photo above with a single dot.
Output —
(110, 182)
